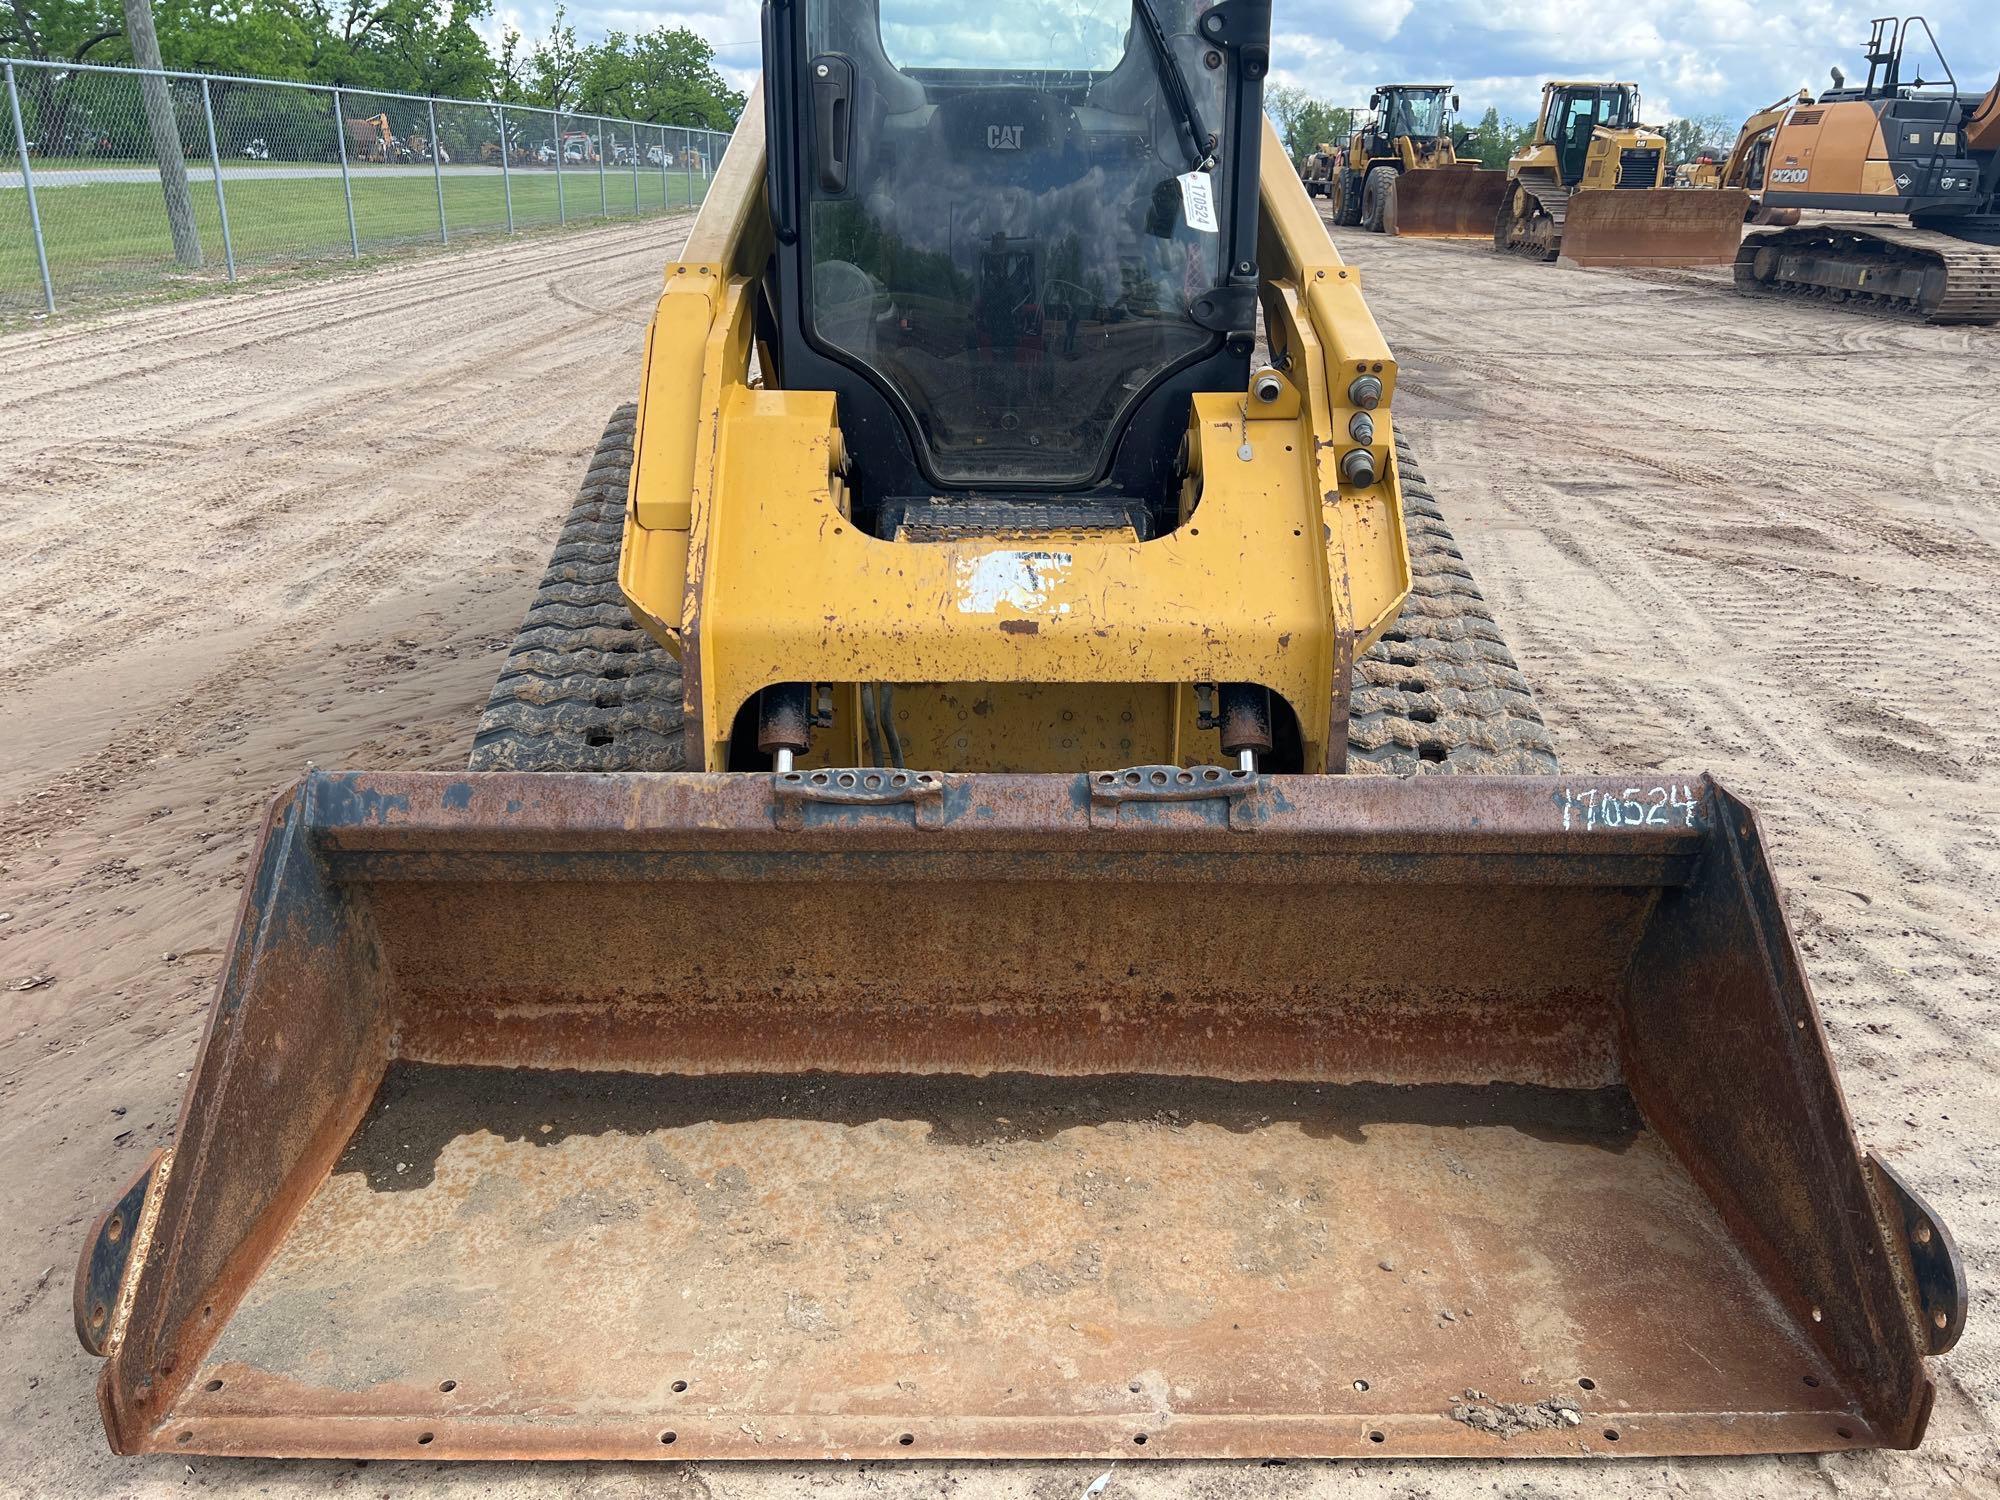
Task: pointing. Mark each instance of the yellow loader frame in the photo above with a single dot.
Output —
(1014, 653)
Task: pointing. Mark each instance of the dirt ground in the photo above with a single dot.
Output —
(1754, 538)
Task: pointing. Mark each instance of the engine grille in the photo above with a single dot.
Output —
(1639, 167)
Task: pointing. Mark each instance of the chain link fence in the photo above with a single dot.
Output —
(118, 181)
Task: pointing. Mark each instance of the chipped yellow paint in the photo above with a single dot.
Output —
(1049, 653)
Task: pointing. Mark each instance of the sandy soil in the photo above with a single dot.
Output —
(1749, 537)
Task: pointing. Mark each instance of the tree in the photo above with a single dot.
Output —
(1689, 137)
(1305, 121)
(166, 133)
(665, 76)
(1493, 139)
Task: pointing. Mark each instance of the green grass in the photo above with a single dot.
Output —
(110, 240)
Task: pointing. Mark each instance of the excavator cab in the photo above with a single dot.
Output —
(999, 1030)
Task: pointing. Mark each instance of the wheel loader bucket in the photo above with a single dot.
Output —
(1445, 203)
(1147, 1114)
(1654, 227)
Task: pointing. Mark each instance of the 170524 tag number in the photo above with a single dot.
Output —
(1668, 806)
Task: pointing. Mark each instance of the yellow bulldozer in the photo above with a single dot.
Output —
(1590, 189)
(1400, 172)
(919, 965)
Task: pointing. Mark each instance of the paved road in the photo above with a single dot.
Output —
(247, 172)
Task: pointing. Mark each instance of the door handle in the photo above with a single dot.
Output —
(833, 118)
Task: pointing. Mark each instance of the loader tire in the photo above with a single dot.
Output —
(583, 687)
(1375, 198)
(1440, 693)
(1346, 195)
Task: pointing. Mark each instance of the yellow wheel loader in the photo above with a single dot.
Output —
(1590, 189)
(1923, 151)
(916, 967)
(1400, 173)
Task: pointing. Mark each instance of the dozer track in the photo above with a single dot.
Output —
(585, 689)
(1539, 235)
(1887, 269)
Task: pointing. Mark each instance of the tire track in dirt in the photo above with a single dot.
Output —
(1718, 540)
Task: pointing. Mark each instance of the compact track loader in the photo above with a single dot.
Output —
(1400, 172)
(905, 974)
(1590, 189)
(1922, 150)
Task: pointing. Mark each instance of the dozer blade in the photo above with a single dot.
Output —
(1445, 203)
(1654, 227)
(1145, 1114)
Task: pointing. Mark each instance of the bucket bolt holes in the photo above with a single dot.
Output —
(906, 1439)
(1361, 1385)
(425, 1439)
(1584, 1382)
(1139, 1438)
(678, 1386)
(668, 1439)
(447, 1386)
(212, 1386)
(1377, 1435)
(1611, 1434)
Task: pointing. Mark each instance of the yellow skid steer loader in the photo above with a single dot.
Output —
(941, 983)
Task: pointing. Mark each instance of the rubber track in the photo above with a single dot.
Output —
(584, 688)
(1440, 692)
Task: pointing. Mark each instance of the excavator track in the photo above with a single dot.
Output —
(1891, 270)
(585, 689)
(1539, 237)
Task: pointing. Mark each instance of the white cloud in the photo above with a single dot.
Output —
(1703, 57)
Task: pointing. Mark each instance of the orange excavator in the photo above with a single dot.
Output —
(1918, 149)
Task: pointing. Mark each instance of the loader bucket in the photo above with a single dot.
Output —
(1654, 227)
(1149, 1114)
(1445, 203)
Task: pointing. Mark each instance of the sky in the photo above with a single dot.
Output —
(1696, 57)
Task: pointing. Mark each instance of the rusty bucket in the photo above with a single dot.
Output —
(1140, 1115)
(1654, 227)
(1445, 203)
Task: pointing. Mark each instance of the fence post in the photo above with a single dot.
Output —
(603, 203)
(555, 124)
(215, 166)
(437, 171)
(506, 182)
(635, 171)
(28, 181)
(346, 181)
(665, 157)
